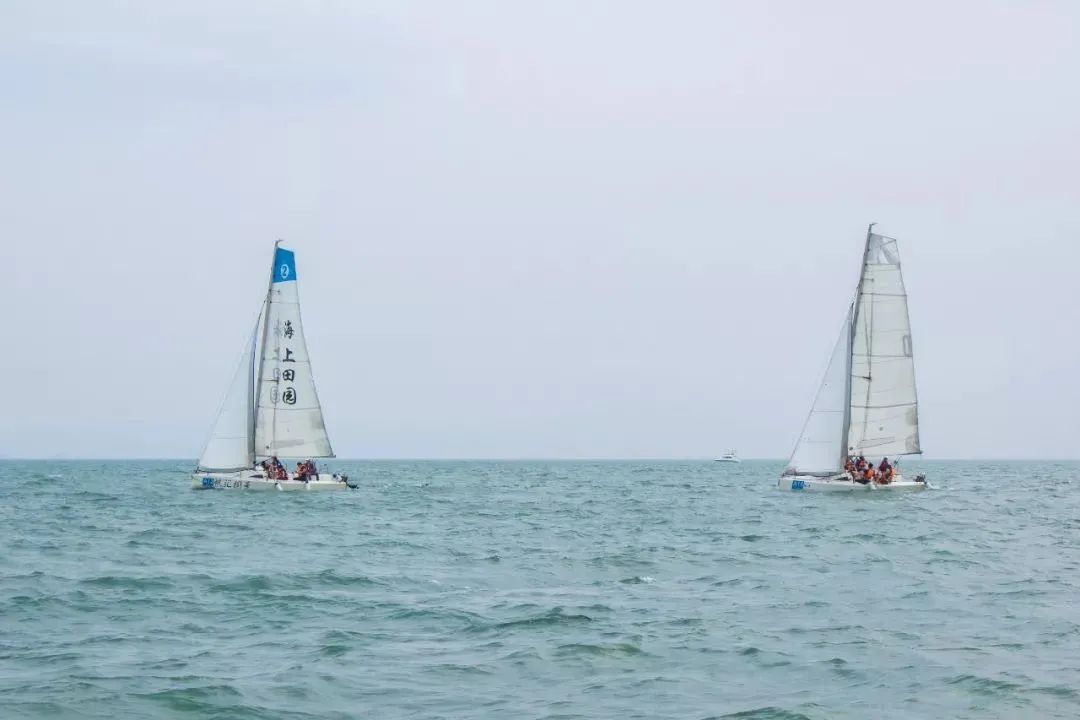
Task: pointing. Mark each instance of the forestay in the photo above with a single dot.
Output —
(820, 447)
(288, 417)
(884, 416)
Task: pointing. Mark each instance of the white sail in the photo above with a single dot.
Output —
(820, 447)
(884, 417)
(288, 417)
(231, 443)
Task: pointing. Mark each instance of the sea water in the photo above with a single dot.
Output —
(539, 590)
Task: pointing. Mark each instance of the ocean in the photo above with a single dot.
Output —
(539, 589)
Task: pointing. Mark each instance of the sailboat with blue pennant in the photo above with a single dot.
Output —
(271, 416)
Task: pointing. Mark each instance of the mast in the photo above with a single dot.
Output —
(851, 345)
(252, 389)
(847, 387)
(257, 373)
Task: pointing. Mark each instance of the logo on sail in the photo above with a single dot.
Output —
(284, 267)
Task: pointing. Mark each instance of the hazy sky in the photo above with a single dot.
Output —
(536, 229)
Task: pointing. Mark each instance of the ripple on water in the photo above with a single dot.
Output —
(585, 590)
(762, 713)
(590, 650)
(554, 617)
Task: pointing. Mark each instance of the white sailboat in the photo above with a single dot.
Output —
(728, 458)
(271, 410)
(867, 403)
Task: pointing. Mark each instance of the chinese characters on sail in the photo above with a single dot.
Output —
(288, 393)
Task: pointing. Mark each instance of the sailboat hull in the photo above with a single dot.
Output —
(843, 483)
(256, 481)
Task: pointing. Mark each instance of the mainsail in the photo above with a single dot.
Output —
(884, 416)
(288, 417)
(866, 403)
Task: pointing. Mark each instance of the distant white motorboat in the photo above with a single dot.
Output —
(271, 409)
(728, 458)
(867, 401)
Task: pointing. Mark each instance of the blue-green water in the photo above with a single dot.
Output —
(539, 590)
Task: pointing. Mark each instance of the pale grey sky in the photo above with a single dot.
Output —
(559, 229)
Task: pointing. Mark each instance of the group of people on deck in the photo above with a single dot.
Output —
(862, 471)
(276, 471)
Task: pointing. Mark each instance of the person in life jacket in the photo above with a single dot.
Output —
(859, 476)
(849, 466)
(861, 464)
(870, 473)
(887, 471)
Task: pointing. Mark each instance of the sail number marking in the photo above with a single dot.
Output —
(798, 484)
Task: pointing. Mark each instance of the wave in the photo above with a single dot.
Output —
(251, 583)
(459, 669)
(638, 580)
(125, 582)
(763, 713)
(986, 686)
(553, 617)
(616, 650)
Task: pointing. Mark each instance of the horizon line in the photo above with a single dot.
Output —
(699, 458)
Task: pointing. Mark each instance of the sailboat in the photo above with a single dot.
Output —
(271, 410)
(866, 404)
(728, 457)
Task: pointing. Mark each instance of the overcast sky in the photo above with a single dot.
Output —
(536, 229)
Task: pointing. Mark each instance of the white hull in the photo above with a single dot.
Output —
(727, 460)
(843, 483)
(252, 480)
